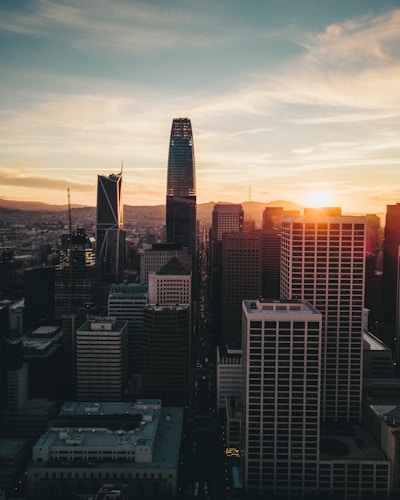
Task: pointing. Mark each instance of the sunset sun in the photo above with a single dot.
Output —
(317, 199)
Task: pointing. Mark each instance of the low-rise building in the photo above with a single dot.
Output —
(134, 444)
(229, 374)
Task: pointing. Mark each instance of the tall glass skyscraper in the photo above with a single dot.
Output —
(181, 186)
(110, 244)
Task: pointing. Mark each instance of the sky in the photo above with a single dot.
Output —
(294, 100)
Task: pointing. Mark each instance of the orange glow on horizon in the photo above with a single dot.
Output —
(319, 199)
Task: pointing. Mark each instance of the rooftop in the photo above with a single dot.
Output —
(349, 442)
(279, 307)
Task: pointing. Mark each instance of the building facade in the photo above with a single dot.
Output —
(229, 374)
(126, 303)
(157, 255)
(166, 352)
(75, 276)
(101, 360)
(136, 444)
(281, 396)
(171, 285)
(323, 262)
(181, 210)
(110, 237)
(241, 279)
(391, 278)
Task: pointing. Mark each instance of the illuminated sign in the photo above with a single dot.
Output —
(232, 452)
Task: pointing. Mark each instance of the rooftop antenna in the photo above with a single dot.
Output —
(249, 194)
(122, 166)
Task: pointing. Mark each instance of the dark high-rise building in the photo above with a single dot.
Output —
(271, 264)
(166, 353)
(226, 218)
(181, 186)
(75, 276)
(39, 295)
(391, 268)
(110, 237)
(241, 279)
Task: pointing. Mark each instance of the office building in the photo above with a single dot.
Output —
(42, 351)
(39, 290)
(229, 374)
(271, 264)
(101, 360)
(110, 237)
(166, 353)
(92, 444)
(154, 257)
(272, 218)
(11, 274)
(241, 279)
(75, 276)
(323, 262)
(226, 218)
(181, 187)
(391, 273)
(171, 285)
(281, 348)
(126, 303)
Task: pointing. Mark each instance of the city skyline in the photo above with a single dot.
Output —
(295, 102)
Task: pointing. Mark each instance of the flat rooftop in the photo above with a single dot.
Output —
(279, 307)
(10, 447)
(350, 442)
(165, 452)
(374, 344)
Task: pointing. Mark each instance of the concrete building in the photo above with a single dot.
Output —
(226, 218)
(281, 396)
(241, 279)
(234, 420)
(126, 303)
(171, 284)
(42, 351)
(39, 293)
(229, 374)
(155, 256)
(323, 262)
(101, 359)
(134, 444)
(167, 341)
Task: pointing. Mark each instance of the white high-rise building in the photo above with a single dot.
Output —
(281, 347)
(170, 285)
(157, 255)
(229, 374)
(323, 261)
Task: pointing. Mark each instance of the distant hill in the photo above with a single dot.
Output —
(35, 206)
(149, 214)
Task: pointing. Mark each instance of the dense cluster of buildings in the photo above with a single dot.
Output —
(96, 371)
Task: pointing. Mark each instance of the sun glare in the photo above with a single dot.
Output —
(318, 199)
